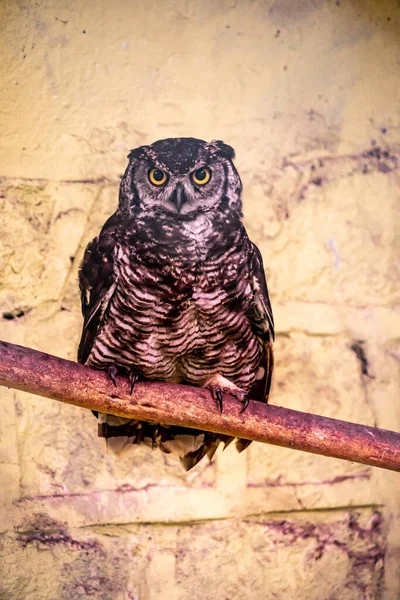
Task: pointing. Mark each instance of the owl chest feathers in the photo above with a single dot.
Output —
(179, 306)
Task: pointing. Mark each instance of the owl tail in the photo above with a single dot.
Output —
(187, 445)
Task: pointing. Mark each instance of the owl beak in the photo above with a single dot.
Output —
(178, 197)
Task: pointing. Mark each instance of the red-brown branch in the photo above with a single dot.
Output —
(38, 373)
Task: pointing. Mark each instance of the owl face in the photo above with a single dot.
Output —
(180, 178)
(162, 190)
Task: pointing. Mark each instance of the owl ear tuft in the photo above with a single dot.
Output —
(223, 149)
(137, 152)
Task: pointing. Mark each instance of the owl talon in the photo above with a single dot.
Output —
(133, 377)
(217, 393)
(112, 372)
(245, 402)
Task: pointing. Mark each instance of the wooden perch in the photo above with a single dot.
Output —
(38, 373)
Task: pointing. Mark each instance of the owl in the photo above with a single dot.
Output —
(173, 289)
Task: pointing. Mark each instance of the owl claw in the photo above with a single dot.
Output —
(133, 377)
(217, 393)
(245, 402)
(112, 372)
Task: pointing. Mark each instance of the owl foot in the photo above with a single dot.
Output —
(219, 385)
(112, 371)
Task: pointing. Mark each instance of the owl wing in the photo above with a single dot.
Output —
(262, 322)
(97, 283)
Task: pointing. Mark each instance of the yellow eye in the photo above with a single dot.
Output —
(201, 176)
(158, 177)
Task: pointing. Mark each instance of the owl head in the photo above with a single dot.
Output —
(180, 178)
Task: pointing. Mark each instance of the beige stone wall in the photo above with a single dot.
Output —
(308, 93)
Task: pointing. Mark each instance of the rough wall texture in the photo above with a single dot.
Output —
(308, 94)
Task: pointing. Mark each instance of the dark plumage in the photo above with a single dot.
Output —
(173, 289)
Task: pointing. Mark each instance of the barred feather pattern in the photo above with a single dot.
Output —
(176, 322)
(179, 300)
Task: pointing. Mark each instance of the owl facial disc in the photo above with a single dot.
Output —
(180, 179)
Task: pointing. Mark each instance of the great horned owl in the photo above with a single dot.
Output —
(173, 289)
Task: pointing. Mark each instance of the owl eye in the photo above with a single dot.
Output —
(201, 176)
(157, 176)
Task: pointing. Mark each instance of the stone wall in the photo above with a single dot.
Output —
(308, 94)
